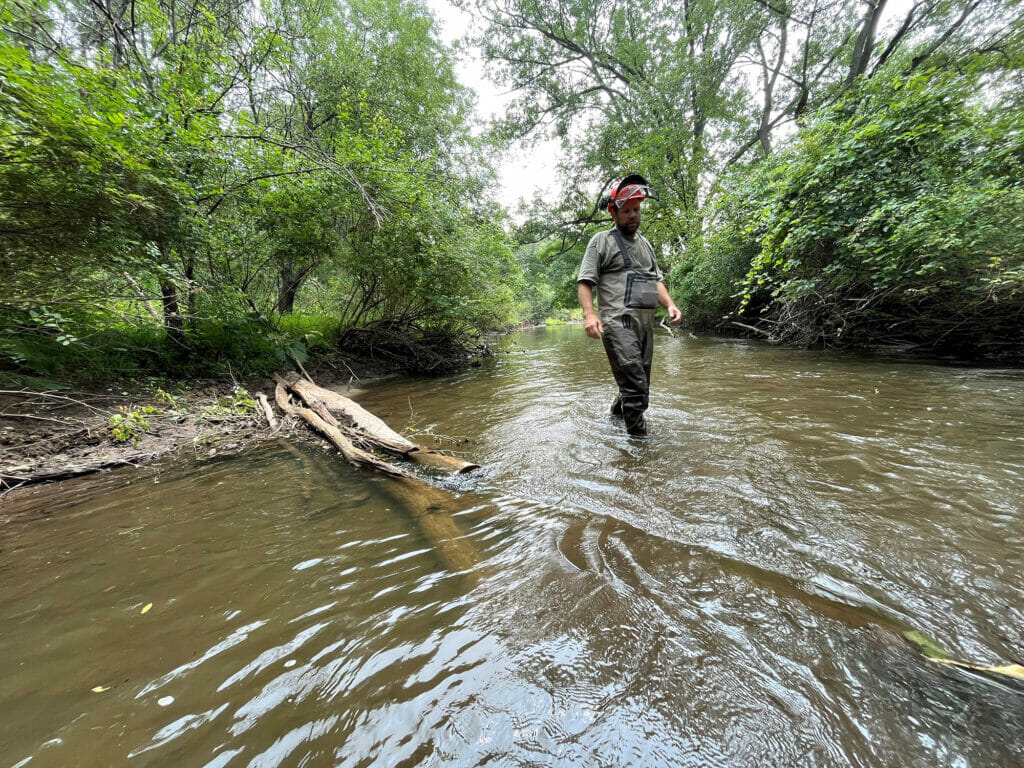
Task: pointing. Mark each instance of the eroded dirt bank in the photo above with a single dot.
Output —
(51, 436)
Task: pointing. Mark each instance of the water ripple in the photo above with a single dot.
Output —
(729, 592)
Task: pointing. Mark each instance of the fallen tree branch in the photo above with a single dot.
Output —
(50, 396)
(60, 468)
(354, 455)
(753, 328)
(362, 426)
(268, 412)
(427, 504)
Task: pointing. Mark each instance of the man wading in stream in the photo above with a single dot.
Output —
(620, 262)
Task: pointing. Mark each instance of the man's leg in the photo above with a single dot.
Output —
(646, 333)
(624, 345)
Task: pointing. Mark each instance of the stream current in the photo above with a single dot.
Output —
(728, 592)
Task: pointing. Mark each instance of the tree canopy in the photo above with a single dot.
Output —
(190, 185)
(224, 166)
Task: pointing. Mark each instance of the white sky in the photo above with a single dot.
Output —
(521, 171)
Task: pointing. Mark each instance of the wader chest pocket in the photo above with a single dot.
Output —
(641, 291)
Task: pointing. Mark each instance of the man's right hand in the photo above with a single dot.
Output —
(591, 322)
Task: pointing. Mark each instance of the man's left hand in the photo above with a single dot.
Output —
(675, 317)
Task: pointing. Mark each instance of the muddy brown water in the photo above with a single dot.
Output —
(729, 592)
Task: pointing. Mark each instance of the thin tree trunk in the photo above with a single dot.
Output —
(291, 279)
(173, 323)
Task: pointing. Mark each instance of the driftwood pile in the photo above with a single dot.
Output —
(407, 347)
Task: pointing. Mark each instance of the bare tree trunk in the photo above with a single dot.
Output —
(286, 290)
(173, 322)
(864, 46)
(330, 431)
(770, 73)
(291, 281)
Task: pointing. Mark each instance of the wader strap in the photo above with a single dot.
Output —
(625, 254)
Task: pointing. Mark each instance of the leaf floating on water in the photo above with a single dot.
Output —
(148, 606)
(101, 688)
(1015, 671)
(928, 646)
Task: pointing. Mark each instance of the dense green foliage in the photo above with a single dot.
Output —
(189, 187)
(178, 180)
(550, 271)
(897, 217)
(767, 129)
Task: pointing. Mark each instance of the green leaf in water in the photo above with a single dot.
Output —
(1016, 671)
(928, 646)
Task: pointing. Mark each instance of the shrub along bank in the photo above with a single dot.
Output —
(895, 218)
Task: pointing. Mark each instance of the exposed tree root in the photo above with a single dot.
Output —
(410, 348)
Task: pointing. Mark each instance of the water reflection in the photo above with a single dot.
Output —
(728, 592)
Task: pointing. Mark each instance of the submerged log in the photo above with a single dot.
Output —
(430, 506)
(366, 427)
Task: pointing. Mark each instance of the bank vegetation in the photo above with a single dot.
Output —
(224, 188)
(187, 188)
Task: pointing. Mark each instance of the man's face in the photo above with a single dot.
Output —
(627, 218)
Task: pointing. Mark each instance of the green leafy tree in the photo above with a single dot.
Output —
(217, 168)
(693, 94)
(550, 271)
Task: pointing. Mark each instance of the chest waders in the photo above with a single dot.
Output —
(629, 344)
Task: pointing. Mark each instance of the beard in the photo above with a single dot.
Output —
(630, 229)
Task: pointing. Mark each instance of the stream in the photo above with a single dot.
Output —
(730, 591)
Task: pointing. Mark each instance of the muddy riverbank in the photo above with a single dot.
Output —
(47, 436)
